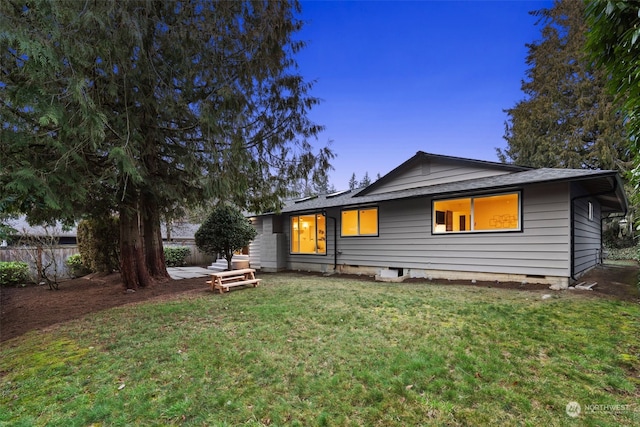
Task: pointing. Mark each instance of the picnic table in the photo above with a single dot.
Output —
(223, 280)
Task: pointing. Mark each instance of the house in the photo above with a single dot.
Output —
(26, 232)
(178, 233)
(438, 216)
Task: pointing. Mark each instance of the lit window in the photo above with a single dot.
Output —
(349, 223)
(360, 222)
(308, 234)
(482, 213)
(452, 215)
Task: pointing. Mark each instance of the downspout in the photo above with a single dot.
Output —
(571, 212)
(335, 240)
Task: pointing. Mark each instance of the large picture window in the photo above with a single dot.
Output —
(360, 222)
(482, 213)
(308, 234)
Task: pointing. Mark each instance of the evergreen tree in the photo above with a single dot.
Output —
(143, 107)
(567, 118)
(322, 186)
(316, 184)
(614, 45)
(366, 181)
(353, 182)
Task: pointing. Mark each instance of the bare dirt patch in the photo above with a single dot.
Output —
(23, 309)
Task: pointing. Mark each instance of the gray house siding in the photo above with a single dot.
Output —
(256, 244)
(406, 241)
(558, 236)
(273, 246)
(436, 172)
(587, 237)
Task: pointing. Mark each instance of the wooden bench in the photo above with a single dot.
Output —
(224, 280)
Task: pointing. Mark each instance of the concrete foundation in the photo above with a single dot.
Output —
(391, 274)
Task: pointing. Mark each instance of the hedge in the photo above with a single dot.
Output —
(13, 273)
(174, 256)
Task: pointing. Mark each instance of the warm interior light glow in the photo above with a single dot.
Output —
(369, 221)
(452, 215)
(360, 222)
(308, 234)
(295, 237)
(350, 223)
(496, 212)
(500, 212)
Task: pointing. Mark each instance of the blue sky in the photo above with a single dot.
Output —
(397, 77)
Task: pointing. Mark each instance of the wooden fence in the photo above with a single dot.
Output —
(32, 256)
(195, 257)
(35, 256)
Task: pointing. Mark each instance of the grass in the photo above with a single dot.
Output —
(311, 351)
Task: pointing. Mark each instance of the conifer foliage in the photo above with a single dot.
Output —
(144, 107)
(614, 45)
(568, 118)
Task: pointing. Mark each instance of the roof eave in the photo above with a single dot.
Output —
(422, 156)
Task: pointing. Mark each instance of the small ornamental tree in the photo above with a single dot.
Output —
(224, 231)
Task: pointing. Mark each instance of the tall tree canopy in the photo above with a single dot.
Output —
(568, 118)
(614, 44)
(143, 107)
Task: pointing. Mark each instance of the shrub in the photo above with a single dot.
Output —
(76, 267)
(98, 243)
(616, 235)
(224, 231)
(13, 273)
(623, 254)
(174, 256)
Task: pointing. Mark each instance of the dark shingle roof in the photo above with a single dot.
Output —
(22, 226)
(596, 182)
(180, 230)
(422, 157)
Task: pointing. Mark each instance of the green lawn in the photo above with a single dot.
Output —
(307, 351)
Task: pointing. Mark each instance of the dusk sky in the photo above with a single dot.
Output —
(397, 77)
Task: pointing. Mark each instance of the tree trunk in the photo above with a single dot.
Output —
(229, 256)
(153, 251)
(133, 269)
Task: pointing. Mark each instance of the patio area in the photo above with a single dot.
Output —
(178, 273)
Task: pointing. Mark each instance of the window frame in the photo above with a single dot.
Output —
(358, 209)
(317, 238)
(472, 229)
